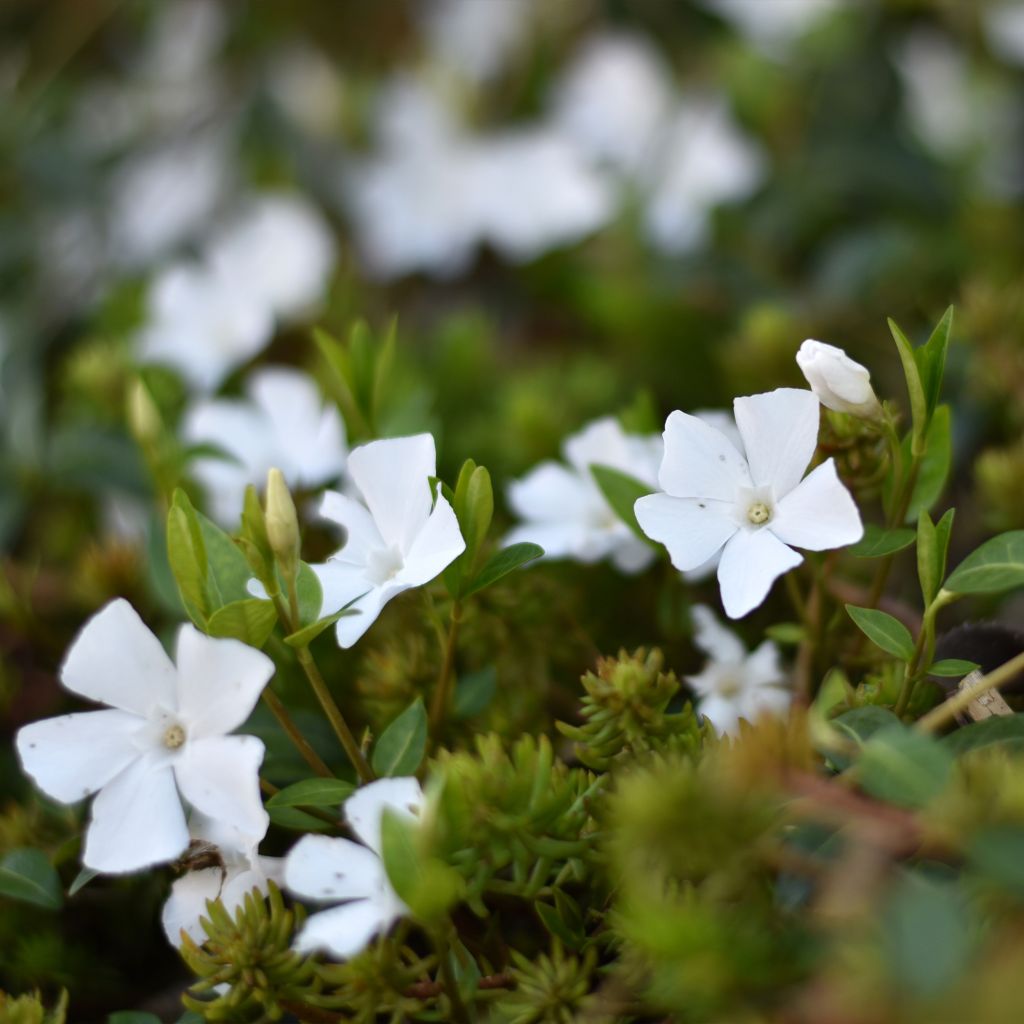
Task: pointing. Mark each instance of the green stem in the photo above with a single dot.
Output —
(459, 1014)
(963, 698)
(924, 650)
(287, 723)
(334, 715)
(442, 690)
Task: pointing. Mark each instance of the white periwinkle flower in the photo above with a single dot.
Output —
(752, 507)
(335, 870)
(162, 740)
(735, 685)
(283, 422)
(564, 510)
(840, 383)
(240, 870)
(202, 325)
(396, 540)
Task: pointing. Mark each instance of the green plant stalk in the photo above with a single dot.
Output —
(924, 650)
(442, 690)
(459, 1013)
(334, 716)
(959, 701)
(287, 723)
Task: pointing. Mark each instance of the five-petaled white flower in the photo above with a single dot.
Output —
(750, 507)
(564, 509)
(735, 684)
(241, 870)
(395, 541)
(840, 382)
(284, 423)
(163, 739)
(322, 868)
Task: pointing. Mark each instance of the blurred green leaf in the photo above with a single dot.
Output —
(403, 743)
(904, 767)
(474, 691)
(28, 875)
(1001, 729)
(621, 492)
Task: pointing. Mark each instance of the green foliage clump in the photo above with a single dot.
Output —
(30, 1009)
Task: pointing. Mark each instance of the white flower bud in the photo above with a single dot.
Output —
(282, 522)
(840, 383)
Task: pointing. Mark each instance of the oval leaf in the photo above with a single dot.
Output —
(884, 631)
(28, 875)
(403, 743)
(1008, 729)
(313, 793)
(502, 562)
(997, 565)
(951, 668)
(878, 541)
(250, 621)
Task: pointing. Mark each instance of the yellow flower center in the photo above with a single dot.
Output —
(174, 737)
(759, 513)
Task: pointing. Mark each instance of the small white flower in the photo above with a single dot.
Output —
(1004, 29)
(280, 251)
(751, 506)
(163, 740)
(773, 25)
(840, 383)
(333, 870)
(283, 422)
(396, 540)
(735, 685)
(203, 326)
(242, 871)
(473, 38)
(564, 509)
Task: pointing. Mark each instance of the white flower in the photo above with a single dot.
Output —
(283, 422)
(240, 871)
(202, 325)
(773, 24)
(474, 38)
(564, 509)
(163, 740)
(735, 684)
(1004, 29)
(396, 540)
(280, 251)
(322, 868)
(840, 383)
(752, 507)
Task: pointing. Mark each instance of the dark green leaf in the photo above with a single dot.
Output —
(998, 851)
(621, 492)
(1002, 729)
(952, 668)
(474, 692)
(560, 929)
(313, 793)
(878, 541)
(27, 875)
(997, 565)
(296, 820)
(859, 725)
(186, 554)
(403, 743)
(931, 479)
(931, 360)
(884, 631)
(904, 767)
(501, 563)
(927, 558)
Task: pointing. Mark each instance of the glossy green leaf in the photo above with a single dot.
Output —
(995, 566)
(501, 563)
(296, 820)
(884, 631)
(315, 792)
(621, 492)
(27, 875)
(879, 541)
(310, 595)
(403, 743)
(952, 668)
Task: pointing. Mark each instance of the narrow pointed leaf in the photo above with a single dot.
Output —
(501, 563)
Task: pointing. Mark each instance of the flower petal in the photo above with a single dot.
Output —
(364, 809)
(322, 868)
(345, 931)
(219, 681)
(187, 904)
(764, 666)
(361, 533)
(393, 478)
(137, 820)
(553, 494)
(350, 628)
(819, 513)
(718, 643)
(700, 461)
(751, 562)
(692, 530)
(436, 546)
(219, 776)
(71, 756)
(117, 660)
(721, 712)
(559, 540)
(780, 432)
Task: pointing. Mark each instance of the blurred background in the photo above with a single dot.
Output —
(575, 209)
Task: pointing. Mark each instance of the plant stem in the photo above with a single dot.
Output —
(459, 1014)
(280, 712)
(334, 715)
(924, 650)
(442, 690)
(960, 700)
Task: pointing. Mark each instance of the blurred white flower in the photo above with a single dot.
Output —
(333, 870)
(615, 100)
(279, 250)
(751, 506)
(282, 422)
(564, 510)
(475, 38)
(395, 541)
(840, 382)
(307, 86)
(163, 740)
(202, 325)
(706, 161)
(773, 25)
(241, 869)
(1004, 28)
(735, 685)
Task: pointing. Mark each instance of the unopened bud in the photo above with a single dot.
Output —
(840, 383)
(282, 522)
(143, 416)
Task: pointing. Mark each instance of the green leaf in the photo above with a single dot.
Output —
(998, 851)
(879, 541)
(1000, 729)
(884, 631)
(788, 633)
(904, 767)
(860, 724)
(559, 928)
(935, 466)
(228, 569)
(426, 885)
(915, 388)
(621, 492)
(477, 509)
(316, 792)
(82, 879)
(474, 691)
(186, 554)
(304, 637)
(931, 360)
(296, 820)
(995, 566)
(927, 557)
(310, 595)
(251, 621)
(952, 668)
(501, 563)
(943, 534)
(403, 743)
(28, 875)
